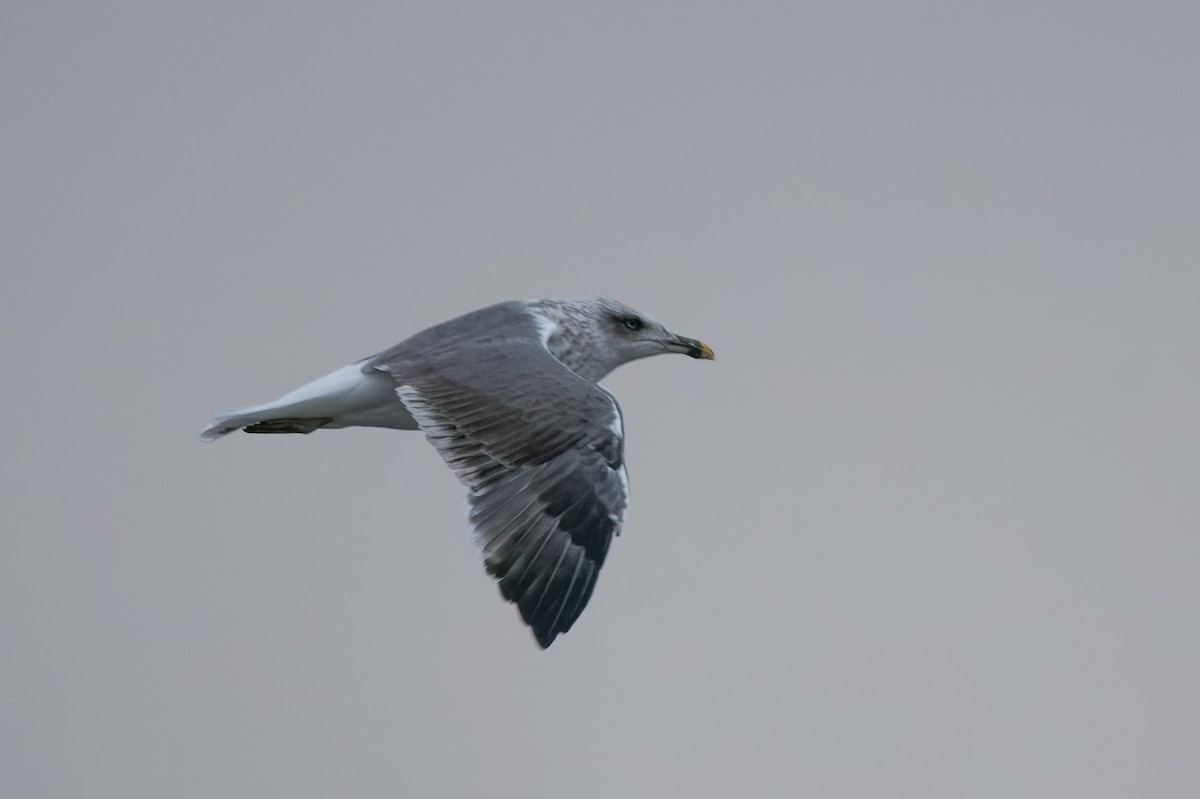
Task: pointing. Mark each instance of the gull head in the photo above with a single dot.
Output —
(594, 335)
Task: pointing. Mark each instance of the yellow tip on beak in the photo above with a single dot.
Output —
(706, 352)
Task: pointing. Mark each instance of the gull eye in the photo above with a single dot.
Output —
(632, 322)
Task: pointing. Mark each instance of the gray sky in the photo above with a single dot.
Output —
(927, 527)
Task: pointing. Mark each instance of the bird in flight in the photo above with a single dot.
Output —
(509, 397)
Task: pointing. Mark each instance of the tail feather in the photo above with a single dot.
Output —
(342, 398)
(225, 422)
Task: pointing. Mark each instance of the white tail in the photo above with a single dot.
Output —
(344, 398)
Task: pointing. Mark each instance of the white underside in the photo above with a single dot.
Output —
(350, 397)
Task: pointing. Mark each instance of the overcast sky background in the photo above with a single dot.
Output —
(927, 527)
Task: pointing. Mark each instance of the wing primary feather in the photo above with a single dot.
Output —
(509, 569)
(585, 593)
(551, 579)
(518, 525)
(540, 451)
(527, 574)
(562, 605)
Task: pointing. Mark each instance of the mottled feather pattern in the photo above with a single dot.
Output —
(508, 395)
(544, 469)
(543, 527)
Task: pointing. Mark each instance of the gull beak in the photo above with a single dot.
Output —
(690, 347)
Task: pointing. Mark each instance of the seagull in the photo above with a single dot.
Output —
(509, 396)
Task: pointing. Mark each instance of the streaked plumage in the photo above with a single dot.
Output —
(508, 396)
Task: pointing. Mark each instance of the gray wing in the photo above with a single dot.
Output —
(541, 452)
